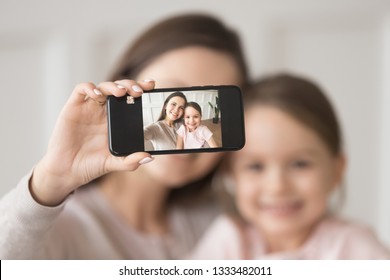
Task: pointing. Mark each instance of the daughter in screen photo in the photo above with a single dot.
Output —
(192, 134)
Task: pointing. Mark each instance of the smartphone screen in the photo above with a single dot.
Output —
(177, 120)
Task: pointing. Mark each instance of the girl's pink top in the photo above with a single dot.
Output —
(332, 239)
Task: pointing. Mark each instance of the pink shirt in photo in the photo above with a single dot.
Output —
(195, 139)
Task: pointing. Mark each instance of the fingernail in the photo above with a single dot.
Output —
(146, 160)
(97, 92)
(136, 88)
(121, 87)
(148, 80)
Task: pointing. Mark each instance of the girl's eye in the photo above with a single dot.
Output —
(301, 164)
(255, 167)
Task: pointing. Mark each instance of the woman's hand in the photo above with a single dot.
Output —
(78, 149)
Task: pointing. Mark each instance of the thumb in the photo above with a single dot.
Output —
(129, 163)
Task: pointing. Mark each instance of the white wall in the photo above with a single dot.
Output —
(48, 47)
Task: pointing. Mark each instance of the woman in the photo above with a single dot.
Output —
(122, 214)
(162, 134)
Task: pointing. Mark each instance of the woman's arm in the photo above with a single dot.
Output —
(25, 225)
(149, 132)
(77, 153)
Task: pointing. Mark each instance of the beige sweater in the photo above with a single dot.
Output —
(86, 227)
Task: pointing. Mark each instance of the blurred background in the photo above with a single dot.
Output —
(47, 47)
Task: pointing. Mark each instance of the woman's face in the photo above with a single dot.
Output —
(192, 118)
(175, 108)
(284, 174)
(184, 67)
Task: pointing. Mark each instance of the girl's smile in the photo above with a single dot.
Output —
(281, 209)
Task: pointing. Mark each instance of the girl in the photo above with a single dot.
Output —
(191, 134)
(149, 213)
(282, 179)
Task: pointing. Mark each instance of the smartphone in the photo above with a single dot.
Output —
(177, 120)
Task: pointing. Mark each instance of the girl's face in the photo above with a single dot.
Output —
(284, 174)
(183, 67)
(175, 108)
(192, 118)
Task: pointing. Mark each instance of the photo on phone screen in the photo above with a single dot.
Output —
(195, 117)
(177, 120)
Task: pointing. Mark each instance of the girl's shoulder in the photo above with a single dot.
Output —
(179, 125)
(180, 129)
(221, 241)
(203, 129)
(202, 126)
(338, 238)
(334, 226)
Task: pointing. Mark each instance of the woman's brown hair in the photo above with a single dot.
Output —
(178, 32)
(174, 33)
